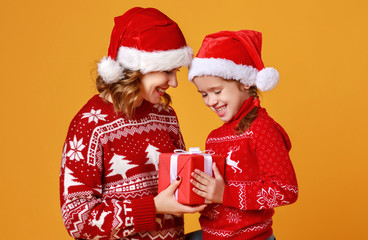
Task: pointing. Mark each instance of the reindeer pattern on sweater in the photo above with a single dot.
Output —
(259, 176)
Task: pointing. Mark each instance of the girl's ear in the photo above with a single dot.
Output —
(245, 87)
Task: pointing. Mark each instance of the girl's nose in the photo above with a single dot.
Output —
(173, 81)
(211, 100)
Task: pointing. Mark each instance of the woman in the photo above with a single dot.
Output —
(108, 180)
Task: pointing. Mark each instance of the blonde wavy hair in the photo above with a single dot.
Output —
(125, 93)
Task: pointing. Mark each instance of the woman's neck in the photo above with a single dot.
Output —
(106, 97)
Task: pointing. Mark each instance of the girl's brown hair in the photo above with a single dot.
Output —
(247, 120)
(125, 92)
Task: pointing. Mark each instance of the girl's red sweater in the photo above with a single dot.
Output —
(259, 176)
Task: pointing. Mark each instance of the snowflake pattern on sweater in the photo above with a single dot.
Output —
(259, 176)
(108, 174)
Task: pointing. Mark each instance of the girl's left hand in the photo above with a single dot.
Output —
(212, 189)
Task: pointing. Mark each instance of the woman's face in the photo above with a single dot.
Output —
(154, 84)
(224, 97)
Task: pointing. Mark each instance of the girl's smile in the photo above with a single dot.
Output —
(224, 97)
(221, 111)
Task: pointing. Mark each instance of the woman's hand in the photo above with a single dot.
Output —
(166, 203)
(212, 189)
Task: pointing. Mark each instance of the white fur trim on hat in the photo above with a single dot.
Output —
(110, 70)
(145, 62)
(224, 68)
(267, 79)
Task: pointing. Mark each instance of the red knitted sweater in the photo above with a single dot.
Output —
(259, 176)
(108, 173)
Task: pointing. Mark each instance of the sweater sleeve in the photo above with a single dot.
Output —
(277, 184)
(86, 213)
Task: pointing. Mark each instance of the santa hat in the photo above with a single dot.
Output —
(234, 55)
(144, 39)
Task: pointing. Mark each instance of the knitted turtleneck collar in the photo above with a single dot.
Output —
(247, 106)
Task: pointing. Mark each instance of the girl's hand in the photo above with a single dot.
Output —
(166, 203)
(212, 189)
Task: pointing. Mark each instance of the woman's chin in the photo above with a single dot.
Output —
(153, 101)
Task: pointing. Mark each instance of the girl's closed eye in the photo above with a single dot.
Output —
(217, 91)
(204, 95)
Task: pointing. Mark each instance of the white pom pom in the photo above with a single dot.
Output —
(267, 79)
(110, 70)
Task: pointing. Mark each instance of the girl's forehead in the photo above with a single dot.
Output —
(210, 82)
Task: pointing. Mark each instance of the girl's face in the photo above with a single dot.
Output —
(224, 97)
(154, 84)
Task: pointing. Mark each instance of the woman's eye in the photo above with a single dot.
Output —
(172, 71)
(218, 92)
(204, 95)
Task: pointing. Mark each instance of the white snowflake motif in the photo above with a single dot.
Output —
(160, 107)
(270, 198)
(94, 116)
(212, 213)
(233, 217)
(76, 148)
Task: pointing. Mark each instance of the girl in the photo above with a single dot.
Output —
(108, 178)
(259, 175)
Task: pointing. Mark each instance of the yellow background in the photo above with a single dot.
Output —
(48, 54)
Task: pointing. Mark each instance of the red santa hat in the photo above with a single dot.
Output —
(144, 39)
(234, 55)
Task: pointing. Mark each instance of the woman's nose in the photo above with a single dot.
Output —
(173, 81)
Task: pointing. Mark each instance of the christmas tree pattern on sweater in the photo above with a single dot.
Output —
(108, 174)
